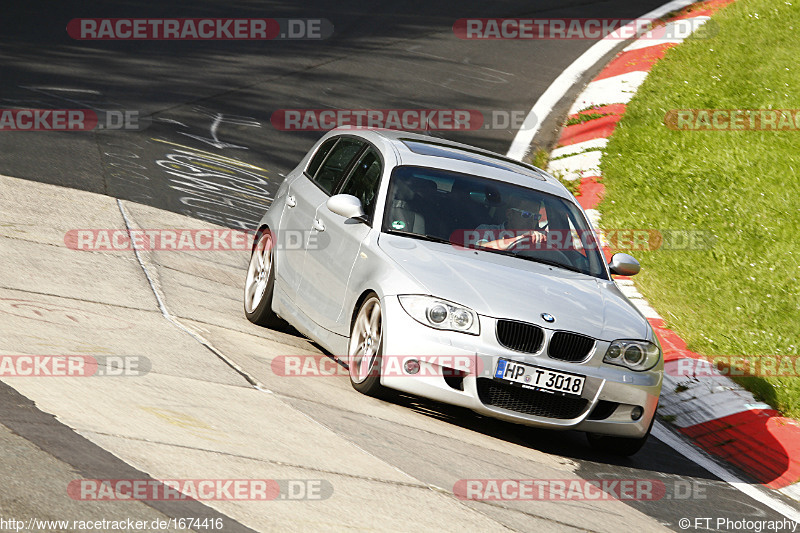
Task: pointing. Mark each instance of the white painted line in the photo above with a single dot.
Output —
(174, 321)
(701, 458)
(638, 300)
(594, 218)
(645, 308)
(630, 291)
(792, 491)
(614, 90)
(594, 144)
(647, 43)
(577, 166)
(568, 78)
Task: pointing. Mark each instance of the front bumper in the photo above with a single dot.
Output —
(609, 395)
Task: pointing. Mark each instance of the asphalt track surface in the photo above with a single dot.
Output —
(382, 55)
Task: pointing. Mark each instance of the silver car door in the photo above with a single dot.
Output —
(302, 199)
(309, 195)
(334, 245)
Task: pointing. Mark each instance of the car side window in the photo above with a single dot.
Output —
(319, 157)
(364, 180)
(337, 162)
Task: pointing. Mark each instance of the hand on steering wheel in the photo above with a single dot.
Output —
(533, 236)
(534, 244)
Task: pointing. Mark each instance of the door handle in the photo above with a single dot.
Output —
(318, 225)
(290, 201)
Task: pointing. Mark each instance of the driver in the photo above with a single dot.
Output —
(522, 222)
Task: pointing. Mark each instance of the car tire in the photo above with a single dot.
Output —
(365, 348)
(622, 446)
(260, 282)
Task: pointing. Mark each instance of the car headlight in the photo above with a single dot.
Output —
(636, 355)
(441, 314)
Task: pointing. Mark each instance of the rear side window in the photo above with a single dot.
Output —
(320, 156)
(338, 160)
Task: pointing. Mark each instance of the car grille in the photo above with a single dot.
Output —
(528, 401)
(569, 346)
(520, 336)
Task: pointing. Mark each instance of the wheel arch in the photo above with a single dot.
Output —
(359, 302)
(256, 235)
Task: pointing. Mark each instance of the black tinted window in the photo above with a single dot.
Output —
(337, 162)
(364, 180)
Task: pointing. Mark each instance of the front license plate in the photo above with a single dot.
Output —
(535, 377)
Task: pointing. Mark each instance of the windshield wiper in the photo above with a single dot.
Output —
(421, 236)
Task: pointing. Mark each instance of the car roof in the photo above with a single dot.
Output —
(424, 150)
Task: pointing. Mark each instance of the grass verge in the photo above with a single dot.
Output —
(540, 158)
(740, 296)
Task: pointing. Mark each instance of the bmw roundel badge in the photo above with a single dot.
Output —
(548, 317)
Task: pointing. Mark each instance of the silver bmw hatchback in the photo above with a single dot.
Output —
(453, 273)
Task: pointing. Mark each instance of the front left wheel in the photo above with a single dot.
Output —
(259, 284)
(366, 348)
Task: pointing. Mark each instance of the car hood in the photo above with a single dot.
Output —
(501, 286)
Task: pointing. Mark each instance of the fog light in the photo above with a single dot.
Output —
(636, 413)
(411, 366)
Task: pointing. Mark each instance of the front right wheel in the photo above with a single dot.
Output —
(366, 348)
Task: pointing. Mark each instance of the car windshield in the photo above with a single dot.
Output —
(494, 216)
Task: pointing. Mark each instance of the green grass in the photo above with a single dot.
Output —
(584, 117)
(741, 296)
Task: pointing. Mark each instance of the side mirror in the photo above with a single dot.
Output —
(346, 205)
(624, 265)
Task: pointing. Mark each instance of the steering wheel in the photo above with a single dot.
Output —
(526, 245)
